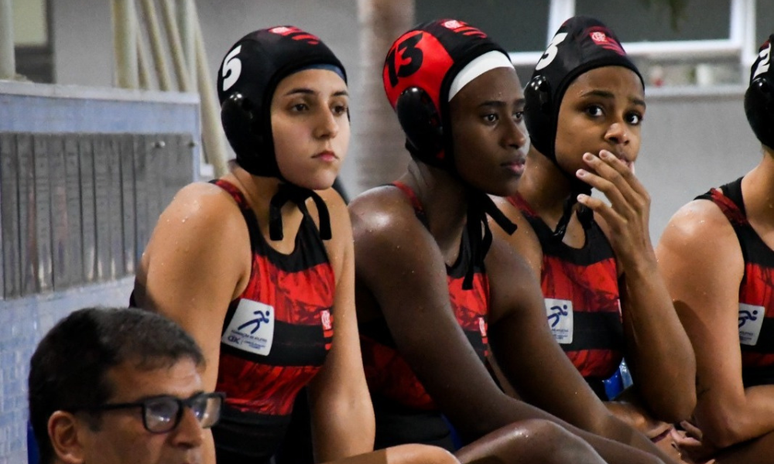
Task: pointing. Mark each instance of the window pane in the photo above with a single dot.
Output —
(634, 21)
(29, 22)
(516, 25)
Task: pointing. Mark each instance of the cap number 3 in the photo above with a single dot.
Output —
(232, 68)
(551, 51)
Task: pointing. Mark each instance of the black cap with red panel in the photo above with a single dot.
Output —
(418, 74)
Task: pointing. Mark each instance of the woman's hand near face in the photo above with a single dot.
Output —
(658, 350)
(627, 215)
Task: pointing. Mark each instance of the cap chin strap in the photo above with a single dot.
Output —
(585, 215)
(479, 207)
(298, 195)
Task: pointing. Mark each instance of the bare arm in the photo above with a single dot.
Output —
(538, 368)
(526, 244)
(190, 277)
(702, 263)
(343, 418)
(401, 265)
(658, 350)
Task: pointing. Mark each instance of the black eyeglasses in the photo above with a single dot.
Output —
(162, 414)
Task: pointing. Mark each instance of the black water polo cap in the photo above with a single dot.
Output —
(581, 44)
(248, 77)
(759, 98)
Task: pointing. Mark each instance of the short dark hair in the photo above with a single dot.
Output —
(69, 367)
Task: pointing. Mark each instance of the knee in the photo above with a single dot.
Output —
(538, 440)
(419, 454)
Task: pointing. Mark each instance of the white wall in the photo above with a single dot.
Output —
(693, 139)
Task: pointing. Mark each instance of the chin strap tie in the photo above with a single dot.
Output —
(298, 195)
(479, 208)
(585, 214)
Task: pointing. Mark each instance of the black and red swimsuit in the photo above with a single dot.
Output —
(275, 338)
(581, 283)
(405, 412)
(756, 290)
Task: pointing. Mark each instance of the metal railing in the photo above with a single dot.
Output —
(185, 45)
(7, 59)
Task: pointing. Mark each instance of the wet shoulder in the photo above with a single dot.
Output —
(698, 222)
(383, 209)
(201, 210)
(699, 239)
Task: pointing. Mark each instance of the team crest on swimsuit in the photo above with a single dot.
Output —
(560, 320)
(252, 328)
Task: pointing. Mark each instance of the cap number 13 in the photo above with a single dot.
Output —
(411, 53)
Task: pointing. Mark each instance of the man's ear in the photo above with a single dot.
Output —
(66, 437)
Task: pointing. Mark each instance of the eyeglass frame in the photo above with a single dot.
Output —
(181, 405)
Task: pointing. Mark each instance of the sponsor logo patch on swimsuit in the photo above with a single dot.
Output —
(482, 327)
(559, 314)
(252, 328)
(750, 323)
(325, 318)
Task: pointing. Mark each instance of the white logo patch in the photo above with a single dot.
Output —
(325, 318)
(559, 314)
(252, 328)
(482, 327)
(750, 323)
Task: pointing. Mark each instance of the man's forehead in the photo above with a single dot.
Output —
(133, 379)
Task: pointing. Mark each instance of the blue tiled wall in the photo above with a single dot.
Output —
(42, 109)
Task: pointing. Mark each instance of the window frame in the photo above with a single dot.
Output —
(741, 43)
